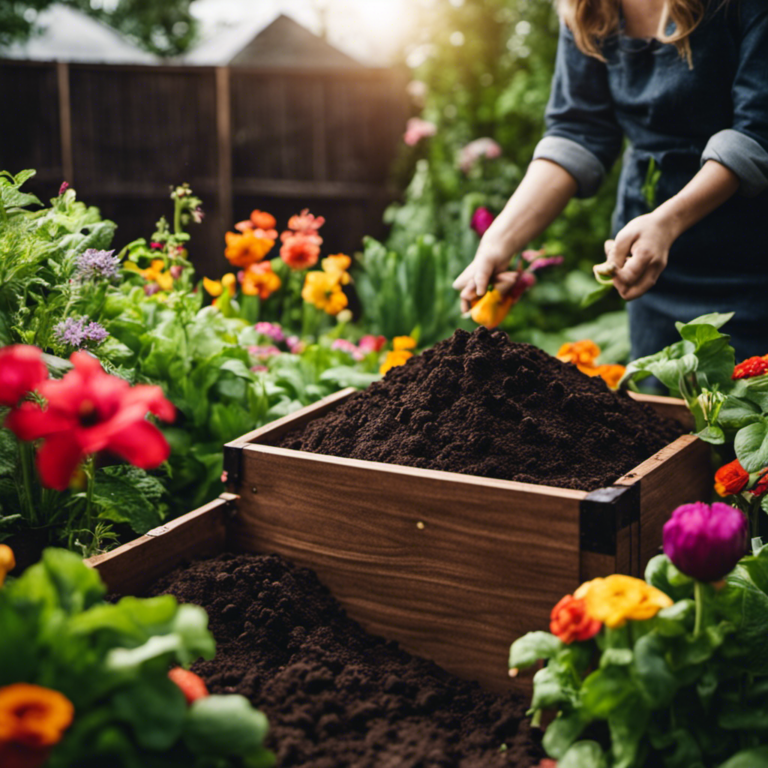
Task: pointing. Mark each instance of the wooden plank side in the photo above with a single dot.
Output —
(671, 407)
(678, 474)
(452, 567)
(130, 569)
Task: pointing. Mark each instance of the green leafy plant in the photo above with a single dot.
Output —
(63, 645)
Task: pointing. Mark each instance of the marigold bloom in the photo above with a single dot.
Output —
(7, 562)
(400, 343)
(300, 250)
(491, 309)
(324, 292)
(246, 249)
(90, 411)
(569, 621)
(705, 542)
(21, 370)
(753, 366)
(260, 280)
(583, 352)
(33, 716)
(156, 273)
(395, 359)
(610, 374)
(731, 479)
(617, 599)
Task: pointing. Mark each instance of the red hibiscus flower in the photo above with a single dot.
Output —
(89, 411)
(21, 371)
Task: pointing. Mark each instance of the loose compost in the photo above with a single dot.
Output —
(480, 404)
(336, 696)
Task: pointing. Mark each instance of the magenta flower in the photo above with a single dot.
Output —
(271, 331)
(482, 220)
(706, 542)
(63, 188)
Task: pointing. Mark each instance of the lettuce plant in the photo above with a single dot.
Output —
(62, 643)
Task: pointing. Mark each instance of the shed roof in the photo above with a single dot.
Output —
(279, 42)
(66, 34)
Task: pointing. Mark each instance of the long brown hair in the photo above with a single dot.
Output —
(591, 21)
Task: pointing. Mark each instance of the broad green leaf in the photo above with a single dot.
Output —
(605, 690)
(656, 680)
(551, 686)
(224, 725)
(712, 434)
(716, 319)
(584, 754)
(128, 494)
(748, 758)
(528, 649)
(596, 295)
(662, 574)
(619, 657)
(738, 412)
(627, 725)
(751, 445)
(563, 731)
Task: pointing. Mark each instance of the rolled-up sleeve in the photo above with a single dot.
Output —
(582, 133)
(744, 147)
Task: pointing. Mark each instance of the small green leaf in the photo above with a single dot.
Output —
(584, 754)
(751, 445)
(594, 296)
(563, 731)
(528, 649)
(224, 725)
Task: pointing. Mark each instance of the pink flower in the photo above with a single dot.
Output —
(472, 152)
(176, 271)
(301, 250)
(157, 246)
(271, 331)
(372, 344)
(418, 129)
(63, 188)
(150, 289)
(264, 353)
(259, 369)
(349, 348)
(551, 261)
(482, 220)
(295, 345)
(306, 223)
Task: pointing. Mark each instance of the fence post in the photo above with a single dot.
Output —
(224, 144)
(65, 121)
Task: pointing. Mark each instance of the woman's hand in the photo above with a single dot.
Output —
(640, 253)
(490, 262)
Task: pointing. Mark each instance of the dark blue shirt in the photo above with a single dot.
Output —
(681, 116)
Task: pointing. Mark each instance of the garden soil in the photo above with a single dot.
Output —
(335, 696)
(480, 404)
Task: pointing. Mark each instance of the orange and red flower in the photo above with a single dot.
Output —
(753, 366)
(305, 222)
(300, 250)
(569, 621)
(21, 370)
(7, 562)
(583, 354)
(33, 719)
(260, 280)
(192, 686)
(262, 224)
(731, 478)
(89, 411)
(247, 248)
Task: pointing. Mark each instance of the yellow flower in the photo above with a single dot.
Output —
(216, 287)
(400, 343)
(155, 274)
(323, 290)
(617, 599)
(7, 562)
(337, 267)
(395, 359)
(32, 716)
(583, 352)
(491, 309)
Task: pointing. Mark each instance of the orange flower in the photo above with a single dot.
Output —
(246, 249)
(610, 374)
(260, 280)
(262, 224)
(300, 250)
(492, 308)
(324, 292)
(7, 562)
(569, 621)
(395, 359)
(753, 366)
(155, 274)
(731, 479)
(32, 716)
(579, 352)
(400, 343)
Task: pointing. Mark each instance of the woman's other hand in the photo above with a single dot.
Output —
(640, 253)
(490, 262)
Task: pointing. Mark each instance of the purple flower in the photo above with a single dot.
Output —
(271, 331)
(77, 332)
(706, 542)
(63, 188)
(94, 265)
(482, 220)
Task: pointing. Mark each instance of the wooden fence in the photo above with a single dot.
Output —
(275, 139)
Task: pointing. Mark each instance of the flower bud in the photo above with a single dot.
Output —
(731, 478)
(706, 542)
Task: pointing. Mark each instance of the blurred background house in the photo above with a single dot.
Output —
(265, 114)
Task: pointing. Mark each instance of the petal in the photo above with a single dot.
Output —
(58, 459)
(30, 422)
(142, 444)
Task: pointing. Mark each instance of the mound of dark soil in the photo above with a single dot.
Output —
(479, 404)
(336, 697)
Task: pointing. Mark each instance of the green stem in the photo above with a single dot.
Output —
(91, 481)
(25, 454)
(698, 593)
(177, 217)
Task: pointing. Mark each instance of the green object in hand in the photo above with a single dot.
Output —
(604, 276)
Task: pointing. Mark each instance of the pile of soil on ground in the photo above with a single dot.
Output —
(480, 404)
(335, 696)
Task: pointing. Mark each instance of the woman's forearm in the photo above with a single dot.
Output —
(538, 200)
(713, 185)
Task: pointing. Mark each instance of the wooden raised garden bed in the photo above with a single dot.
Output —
(453, 567)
